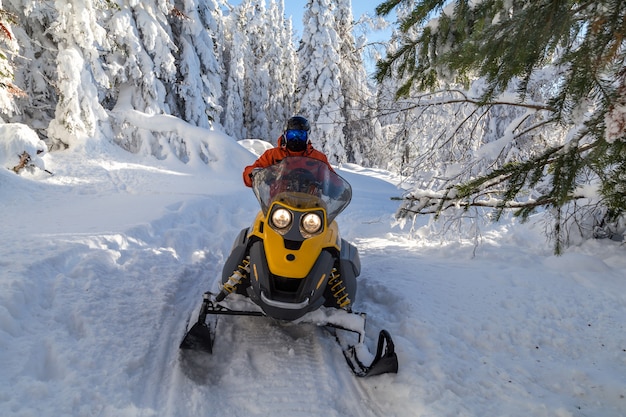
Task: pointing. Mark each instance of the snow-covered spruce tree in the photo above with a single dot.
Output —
(283, 63)
(78, 36)
(142, 62)
(196, 94)
(79, 56)
(58, 97)
(34, 65)
(257, 69)
(319, 85)
(261, 70)
(234, 85)
(583, 43)
(9, 48)
(20, 147)
(88, 65)
(361, 126)
(197, 91)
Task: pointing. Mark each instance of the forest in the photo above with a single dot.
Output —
(484, 109)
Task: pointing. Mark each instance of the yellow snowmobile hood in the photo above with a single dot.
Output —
(288, 258)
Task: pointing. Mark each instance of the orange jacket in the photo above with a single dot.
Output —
(275, 155)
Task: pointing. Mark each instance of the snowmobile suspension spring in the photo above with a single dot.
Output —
(239, 274)
(338, 289)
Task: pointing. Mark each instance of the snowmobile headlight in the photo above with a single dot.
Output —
(281, 218)
(311, 223)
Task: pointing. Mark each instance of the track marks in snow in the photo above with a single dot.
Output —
(273, 367)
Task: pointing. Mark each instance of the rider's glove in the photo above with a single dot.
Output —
(254, 172)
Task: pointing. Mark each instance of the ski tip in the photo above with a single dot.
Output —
(386, 360)
(198, 338)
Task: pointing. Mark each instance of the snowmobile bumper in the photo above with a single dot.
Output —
(282, 303)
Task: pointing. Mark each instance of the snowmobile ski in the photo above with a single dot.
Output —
(385, 361)
(199, 336)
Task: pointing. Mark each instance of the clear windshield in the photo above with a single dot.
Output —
(303, 183)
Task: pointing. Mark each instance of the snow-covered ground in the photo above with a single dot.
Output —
(103, 263)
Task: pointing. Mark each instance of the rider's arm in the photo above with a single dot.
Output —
(265, 160)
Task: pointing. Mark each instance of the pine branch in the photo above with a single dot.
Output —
(420, 101)
(426, 205)
(505, 183)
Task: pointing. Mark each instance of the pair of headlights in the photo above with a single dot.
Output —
(282, 218)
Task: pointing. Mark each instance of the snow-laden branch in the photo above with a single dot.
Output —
(492, 191)
(439, 98)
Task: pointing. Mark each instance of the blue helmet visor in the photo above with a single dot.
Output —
(296, 140)
(296, 135)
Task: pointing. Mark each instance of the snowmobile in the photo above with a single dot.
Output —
(292, 265)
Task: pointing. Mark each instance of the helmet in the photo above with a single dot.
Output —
(296, 133)
(298, 123)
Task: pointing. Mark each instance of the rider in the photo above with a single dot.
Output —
(293, 142)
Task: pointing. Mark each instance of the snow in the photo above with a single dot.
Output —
(104, 262)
